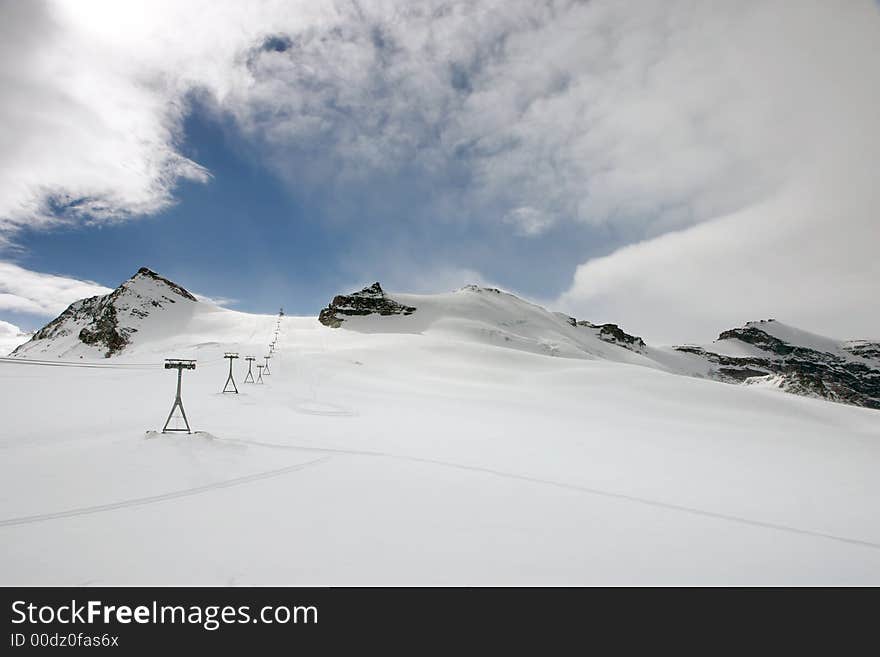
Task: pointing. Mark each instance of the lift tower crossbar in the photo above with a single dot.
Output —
(178, 364)
(231, 356)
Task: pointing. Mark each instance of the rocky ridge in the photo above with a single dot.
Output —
(848, 373)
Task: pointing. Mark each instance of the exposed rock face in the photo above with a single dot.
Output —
(109, 321)
(864, 349)
(477, 288)
(371, 300)
(848, 374)
(613, 334)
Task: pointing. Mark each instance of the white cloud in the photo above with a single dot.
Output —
(781, 259)
(590, 111)
(10, 337)
(217, 301)
(25, 291)
(805, 250)
(87, 133)
(642, 118)
(528, 221)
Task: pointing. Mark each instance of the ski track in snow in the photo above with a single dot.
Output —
(238, 481)
(162, 497)
(582, 489)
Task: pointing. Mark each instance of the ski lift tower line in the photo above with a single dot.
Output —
(178, 364)
(231, 356)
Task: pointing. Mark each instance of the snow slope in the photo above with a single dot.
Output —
(488, 316)
(422, 449)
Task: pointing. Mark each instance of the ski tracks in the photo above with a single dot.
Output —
(162, 497)
(635, 499)
(329, 452)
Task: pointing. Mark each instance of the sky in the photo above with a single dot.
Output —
(676, 167)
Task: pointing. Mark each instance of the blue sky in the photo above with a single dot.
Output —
(675, 168)
(250, 239)
(241, 236)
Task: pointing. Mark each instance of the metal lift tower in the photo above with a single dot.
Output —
(178, 364)
(231, 356)
(250, 375)
(260, 374)
(267, 365)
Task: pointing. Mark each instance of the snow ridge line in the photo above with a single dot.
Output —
(716, 515)
(139, 501)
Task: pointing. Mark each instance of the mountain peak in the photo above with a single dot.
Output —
(145, 273)
(108, 322)
(370, 300)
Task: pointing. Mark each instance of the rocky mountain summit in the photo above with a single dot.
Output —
(107, 323)
(802, 363)
(372, 300)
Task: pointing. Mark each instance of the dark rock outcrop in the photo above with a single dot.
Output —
(798, 369)
(101, 325)
(372, 300)
(613, 334)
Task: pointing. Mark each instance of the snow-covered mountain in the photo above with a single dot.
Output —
(767, 352)
(461, 438)
(771, 353)
(148, 311)
(105, 325)
(484, 315)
